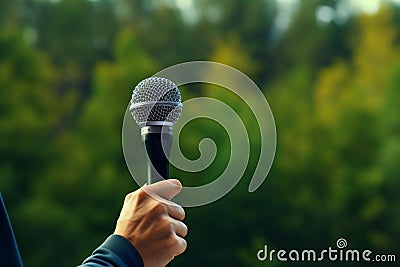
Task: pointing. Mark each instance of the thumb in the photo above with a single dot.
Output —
(165, 189)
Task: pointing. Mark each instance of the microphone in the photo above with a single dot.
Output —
(156, 106)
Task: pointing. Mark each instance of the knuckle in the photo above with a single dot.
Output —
(174, 242)
(179, 244)
(168, 225)
(167, 229)
(128, 197)
(142, 195)
(159, 208)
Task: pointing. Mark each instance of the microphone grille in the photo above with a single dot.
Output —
(156, 101)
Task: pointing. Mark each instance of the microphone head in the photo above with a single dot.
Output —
(156, 101)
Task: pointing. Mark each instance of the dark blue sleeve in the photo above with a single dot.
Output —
(116, 251)
(9, 255)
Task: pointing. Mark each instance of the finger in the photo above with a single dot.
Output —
(180, 228)
(175, 211)
(166, 189)
(181, 245)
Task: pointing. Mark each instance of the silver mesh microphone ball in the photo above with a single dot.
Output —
(156, 106)
(156, 102)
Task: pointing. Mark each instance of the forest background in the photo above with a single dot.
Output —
(330, 70)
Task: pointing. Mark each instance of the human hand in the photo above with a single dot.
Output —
(153, 224)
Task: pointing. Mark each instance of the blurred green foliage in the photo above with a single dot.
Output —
(67, 69)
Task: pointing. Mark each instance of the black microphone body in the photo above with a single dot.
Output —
(157, 141)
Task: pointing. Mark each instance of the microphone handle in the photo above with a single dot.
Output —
(158, 146)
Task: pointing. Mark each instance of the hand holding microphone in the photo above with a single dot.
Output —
(154, 226)
(156, 106)
(149, 229)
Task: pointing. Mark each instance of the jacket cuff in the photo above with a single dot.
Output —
(124, 250)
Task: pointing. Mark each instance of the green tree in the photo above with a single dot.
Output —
(31, 114)
(307, 41)
(29, 111)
